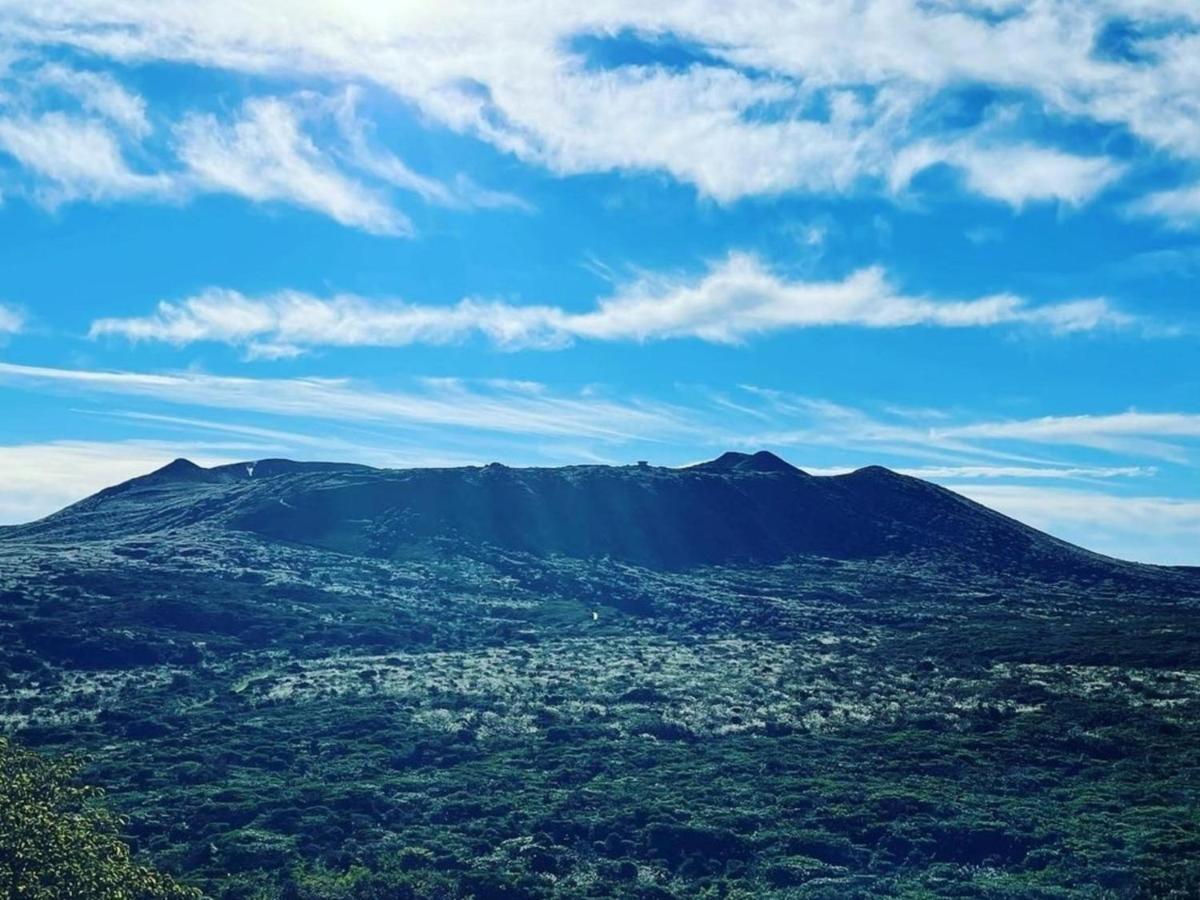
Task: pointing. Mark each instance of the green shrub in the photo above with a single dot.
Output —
(56, 843)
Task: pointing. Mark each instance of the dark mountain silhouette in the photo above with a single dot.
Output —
(736, 508)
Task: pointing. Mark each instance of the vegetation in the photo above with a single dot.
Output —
(55, 843)
(281, 722)
(466, 719)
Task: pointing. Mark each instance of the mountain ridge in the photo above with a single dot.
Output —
(738, 507)
(295, 658)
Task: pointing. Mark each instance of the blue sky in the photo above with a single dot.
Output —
(960, 239)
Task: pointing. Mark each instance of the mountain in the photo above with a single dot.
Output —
(737, 508)
(307, 681)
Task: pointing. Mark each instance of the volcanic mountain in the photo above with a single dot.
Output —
(307, 679)
(738, 508)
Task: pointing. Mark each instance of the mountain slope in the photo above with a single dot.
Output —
(736, 508)
(317, 680)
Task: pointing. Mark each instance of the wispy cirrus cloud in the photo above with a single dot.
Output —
(831, 98)
(953, 474)
(70, 132)
(377, 449)
(1147, 433)
(74, 131)
(735, 299)
(799, 421)
(367, 154)
(959, 449)
(1039, 473)
(446, 402)
(265, 156)
(77, 158)
(98, 93)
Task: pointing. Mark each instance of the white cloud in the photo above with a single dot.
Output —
(98, 93)
(73, 130)
(735, 299)
(277, 326)
(386, 450)
(461, 193)
(447, 403)
(804, 421)
(12, 321)
(936, 473)
(264, 155)
(1179, 207)
(70, 130)
(1147, 529)
(1132, 432)
(1015, 174)
(808, 96)
(741, 297)
(76, 158)
(43, 477)
(953, 473)
(798, 421)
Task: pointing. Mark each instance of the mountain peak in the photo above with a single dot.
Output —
(730, 459)
(178, 468)
(766, 461)
(733, 461)
(875, 472)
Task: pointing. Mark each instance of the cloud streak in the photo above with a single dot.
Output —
(448, 403)
(936, 473)
(461, 193)
(734, 300)
(962, 450)
(264, 156)
(1131, 431)
(798, 421)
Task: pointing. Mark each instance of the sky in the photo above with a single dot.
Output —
(959, 238)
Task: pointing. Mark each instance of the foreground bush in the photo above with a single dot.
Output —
(56, 843)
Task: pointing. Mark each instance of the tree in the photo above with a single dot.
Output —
(56, 843)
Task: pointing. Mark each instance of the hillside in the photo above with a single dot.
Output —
(309, 681)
